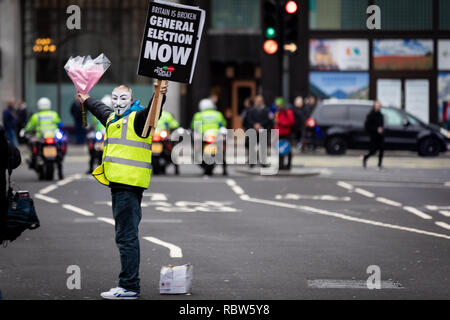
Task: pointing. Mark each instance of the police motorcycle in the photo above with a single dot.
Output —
(95, 138)
(162, 147)
(213, 143)
(47, 151)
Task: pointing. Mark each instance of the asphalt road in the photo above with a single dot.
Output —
(247, 236)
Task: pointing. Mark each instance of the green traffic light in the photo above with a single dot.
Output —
(270, 33)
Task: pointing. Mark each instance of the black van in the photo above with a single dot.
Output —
(338, 125)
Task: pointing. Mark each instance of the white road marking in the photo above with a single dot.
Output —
(388, 202)
(65, 181)
(345, 185)
(107, 220)
(417, 212)
(435, 208)
(447, 184)
(345, 217)
(156, 196)
(236, 189)
(108, 203)
(349, 284)
(365, 193)
(292, 196)
(445, 213)
(397, 184)
(175, 251)
(95, 220)
(443, 225)
(78, 210)
(48, 189)
(45, 198)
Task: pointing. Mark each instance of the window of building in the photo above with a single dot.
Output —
(235, 14)
(406, 14)
(444, 14)
(338, 14)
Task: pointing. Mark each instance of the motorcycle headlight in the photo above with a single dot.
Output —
(59, 135)
(99, 135)
(445, 133)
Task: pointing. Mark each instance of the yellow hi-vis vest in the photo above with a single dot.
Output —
(126, 156)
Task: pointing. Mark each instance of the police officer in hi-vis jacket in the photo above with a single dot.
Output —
(126, 169)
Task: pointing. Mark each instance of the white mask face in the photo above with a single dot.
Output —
(121, 101)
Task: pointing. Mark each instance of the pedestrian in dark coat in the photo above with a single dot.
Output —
(374, 126)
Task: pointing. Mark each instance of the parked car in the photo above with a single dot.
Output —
(338, 125)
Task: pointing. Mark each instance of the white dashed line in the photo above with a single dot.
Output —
(417, 212)
(175, 251)
(445, 213)
(443, 225)
(45, 198)
(48, 189)
(107, 220)
(78, 210)
(435, 208)
(388, 202)
(325, 197)
(345, 185)
(365, 193)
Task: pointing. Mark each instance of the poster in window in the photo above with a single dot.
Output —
(417, 93)
(348, 55)
(389, 92)
(349, 85)
(412, 54)
(444, 55)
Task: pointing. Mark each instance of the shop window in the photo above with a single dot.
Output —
(338, 14)
(444, 14)
(406, 14)
(235, 14)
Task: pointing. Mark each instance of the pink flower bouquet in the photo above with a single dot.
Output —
(85, 72)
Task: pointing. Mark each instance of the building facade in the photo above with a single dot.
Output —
(404, 64)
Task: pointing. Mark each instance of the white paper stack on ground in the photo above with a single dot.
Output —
(176, 279)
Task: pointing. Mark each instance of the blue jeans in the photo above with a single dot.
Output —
(127, 214)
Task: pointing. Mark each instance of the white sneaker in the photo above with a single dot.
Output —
(119, 294)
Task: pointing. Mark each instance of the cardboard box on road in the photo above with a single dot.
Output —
(176, 279)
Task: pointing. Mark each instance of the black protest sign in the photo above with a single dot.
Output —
(171, 40)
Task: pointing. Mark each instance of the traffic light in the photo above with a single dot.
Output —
(291, 23)
(271, 31)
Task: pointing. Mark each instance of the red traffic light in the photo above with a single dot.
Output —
(270, 46)
(291, 7)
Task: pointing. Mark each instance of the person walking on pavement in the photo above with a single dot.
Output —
(126, 169)
(300, 118)
(22, 118)
(10, 122)
(284, 120)
(374, 126)
(258, 119)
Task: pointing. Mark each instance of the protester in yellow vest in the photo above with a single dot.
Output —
(126, 169)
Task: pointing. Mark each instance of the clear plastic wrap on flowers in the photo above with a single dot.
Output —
(85, 72)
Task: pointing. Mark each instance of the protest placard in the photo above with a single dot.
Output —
(171, 41)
